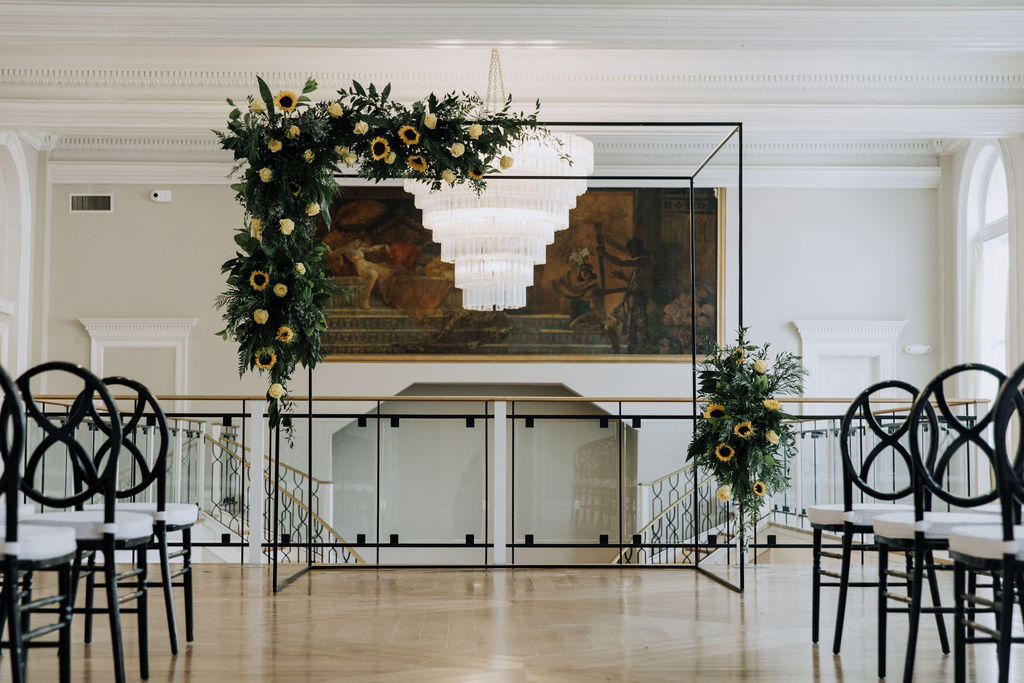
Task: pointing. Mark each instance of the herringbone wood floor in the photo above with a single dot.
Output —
(522, 625)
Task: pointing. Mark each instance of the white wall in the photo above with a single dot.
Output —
(862, 254)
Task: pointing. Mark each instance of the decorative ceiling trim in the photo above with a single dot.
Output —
(967, 25)
(231, 80)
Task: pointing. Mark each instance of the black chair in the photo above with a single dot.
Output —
(105, 530)
(28, 549)
(852, 518)
(925, 531)
(995, 549)
(151, 475)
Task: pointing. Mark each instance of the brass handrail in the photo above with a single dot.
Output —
(298, 502)
(662, 478)
(516, 399)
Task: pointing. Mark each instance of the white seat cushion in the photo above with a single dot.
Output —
(985, 541)
(36, 542)
(88, 524)
(862, 514)
(24, 510)
(936, 525)
(176, 513)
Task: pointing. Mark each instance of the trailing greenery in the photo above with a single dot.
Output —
(287, 150)
(743, 436)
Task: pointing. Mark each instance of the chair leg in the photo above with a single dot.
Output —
(914, 611)
(14, 622)
(972, 589)
(844, 585)
(1006, 621)
(816, 586)
(959, 627)
(940, 621)
(165, 578)
(26, 587)
(186, 539)
(113, 608)
(142, 611)
(64, 643)
(883, 569)
(90, 589)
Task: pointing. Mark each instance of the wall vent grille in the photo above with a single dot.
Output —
(92, 203)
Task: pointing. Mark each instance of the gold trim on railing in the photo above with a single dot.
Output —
(269, 459)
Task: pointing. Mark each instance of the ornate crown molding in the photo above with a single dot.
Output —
(138, 328)
(849, 329)
(234, 80)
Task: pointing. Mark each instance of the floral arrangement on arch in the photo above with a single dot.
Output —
(743, 436)
(287, 150)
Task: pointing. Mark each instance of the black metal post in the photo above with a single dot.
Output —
(693, 362)
(309, 478)
(277, 472)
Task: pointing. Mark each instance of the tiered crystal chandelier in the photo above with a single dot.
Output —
(496, 238)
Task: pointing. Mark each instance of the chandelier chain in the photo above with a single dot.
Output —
(495, 84)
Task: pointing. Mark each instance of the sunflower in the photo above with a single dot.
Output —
(286, 100)
(759, 488)
(475, 174)
(714, 411)
(285, 334)
(294, 187)
(739, 354)
(772, 404)
(379, 148)
(409, 135)
(259, 280)
(418, 163)
(724, 452)
(265, 359)
(744, 429)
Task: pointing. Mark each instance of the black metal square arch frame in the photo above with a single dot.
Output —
(735, 129)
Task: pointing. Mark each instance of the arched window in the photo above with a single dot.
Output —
(988, 239)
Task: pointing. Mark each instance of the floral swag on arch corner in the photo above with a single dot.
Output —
(743, 436)
(287, 150)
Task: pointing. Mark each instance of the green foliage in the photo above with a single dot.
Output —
(734, 384)
(298, 153)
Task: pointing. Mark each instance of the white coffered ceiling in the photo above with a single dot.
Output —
(868, 84)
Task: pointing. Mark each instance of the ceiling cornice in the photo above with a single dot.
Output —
(800, 26)
(220, 81)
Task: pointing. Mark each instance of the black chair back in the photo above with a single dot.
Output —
(91, 476)
(1009, 404)
(12, 443)
(931, 460)
(146, 412)
(889, 441)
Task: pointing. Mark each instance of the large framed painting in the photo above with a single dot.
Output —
(615, 285)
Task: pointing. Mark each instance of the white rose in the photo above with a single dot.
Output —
(506, 162)
(300, 268)
(457, 149)
(280, 290)
(390, 158)
(287, 225)
(361, 127)
(334, 110)
(475, 131)
(350, 158)
(266, 175)
(430, 121)
(276, 391)
(258, 106)
(448, 175)
(760, 366)
(312, 209)
(260, 316)
(308, 155)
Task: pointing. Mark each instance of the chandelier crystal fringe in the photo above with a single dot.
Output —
(495, 239)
